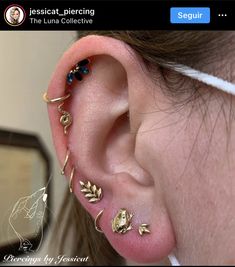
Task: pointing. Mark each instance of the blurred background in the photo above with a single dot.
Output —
(27, 60)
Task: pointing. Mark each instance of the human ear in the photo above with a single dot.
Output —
(106, 111)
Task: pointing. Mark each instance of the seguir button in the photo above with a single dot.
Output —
(190, 15)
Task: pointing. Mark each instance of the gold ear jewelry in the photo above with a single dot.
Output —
(65, 119)
(55, 100)
(71, 180)
(77, 72)
(97, 228)
(92, 192)
(122, 222)
(65, 162)
(143, 229)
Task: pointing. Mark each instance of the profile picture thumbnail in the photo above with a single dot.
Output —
(14, 15)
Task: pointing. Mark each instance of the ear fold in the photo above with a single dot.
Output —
(105, 108)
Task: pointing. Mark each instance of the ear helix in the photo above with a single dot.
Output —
(122, 222)
(80, 69)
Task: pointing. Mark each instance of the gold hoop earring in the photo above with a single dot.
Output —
(65, 162)
(97, 228)
(55, 100)
(71, 180)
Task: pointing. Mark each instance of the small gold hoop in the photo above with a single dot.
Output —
(97, 228)
(71, 180)
(65, 162)
(55, 100)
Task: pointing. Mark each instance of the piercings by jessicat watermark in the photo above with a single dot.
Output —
(60, 259)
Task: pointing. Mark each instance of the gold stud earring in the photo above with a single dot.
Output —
(143, 229)
(92, 192)
(97, 228)
(65, 162)
(122, 222)
(71, 180)
(55, 100)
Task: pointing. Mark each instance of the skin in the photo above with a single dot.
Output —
(16, 15)
(170, 165)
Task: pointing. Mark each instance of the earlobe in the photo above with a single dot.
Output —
(97, 149)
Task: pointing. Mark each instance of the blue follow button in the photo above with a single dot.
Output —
(190, 15)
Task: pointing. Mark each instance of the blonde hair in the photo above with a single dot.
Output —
(12, 11)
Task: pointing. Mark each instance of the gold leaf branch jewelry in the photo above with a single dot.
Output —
(143, 229)
(92, 192)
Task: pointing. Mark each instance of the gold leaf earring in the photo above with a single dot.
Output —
(122, 222)
(143, 229)
(92, 192)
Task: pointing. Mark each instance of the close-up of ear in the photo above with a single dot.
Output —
(100, 84)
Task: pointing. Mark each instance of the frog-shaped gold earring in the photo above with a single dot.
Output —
(122, 222)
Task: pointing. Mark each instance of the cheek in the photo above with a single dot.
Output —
(186, 157)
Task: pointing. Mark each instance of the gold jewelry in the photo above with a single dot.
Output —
(65, 162)
(54, 100)
(143, 229)
(97, 228)
(65, 119)
(122, 222)
(91, 192)
(71, 180)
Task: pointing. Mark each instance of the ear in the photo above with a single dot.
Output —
(106, 109)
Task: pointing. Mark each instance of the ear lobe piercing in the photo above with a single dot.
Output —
(65, 162)
(122, 222)
(91, 192)
(143, 229)
(97, 228)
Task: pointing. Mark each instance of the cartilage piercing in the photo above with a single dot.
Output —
(78, 71)
(122, 222)
(65, 119)
(71, 180)
(97, 221)
(65, 162)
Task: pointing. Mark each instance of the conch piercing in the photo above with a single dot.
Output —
(143, 229)
(122, 222)
(97, 228)
(92, 192)
(65, 162)
(71, 180)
